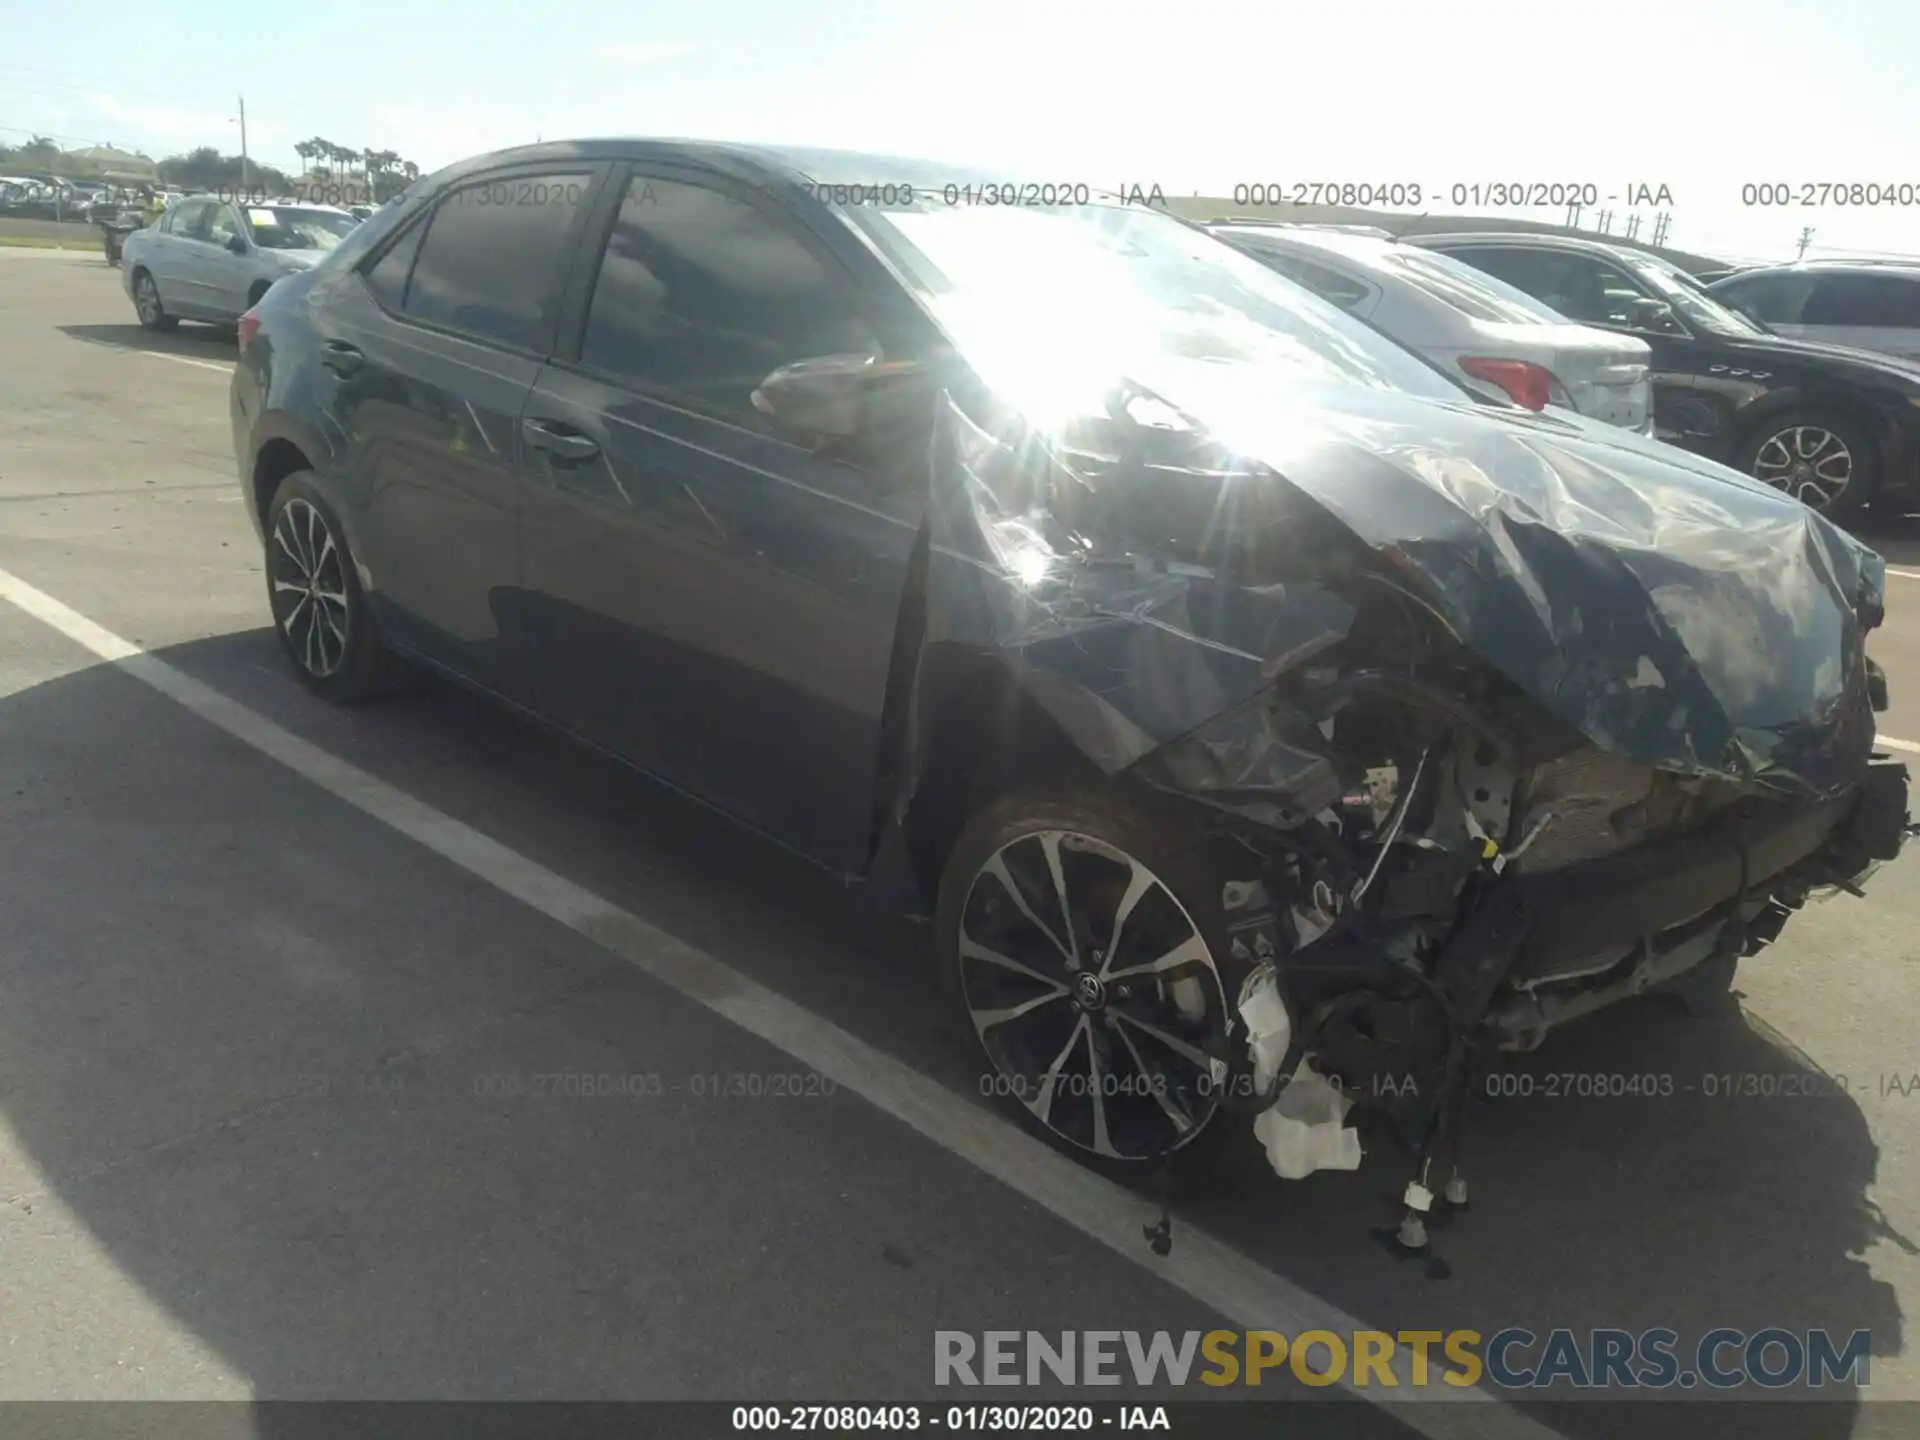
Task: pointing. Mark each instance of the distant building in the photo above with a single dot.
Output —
(104, 162)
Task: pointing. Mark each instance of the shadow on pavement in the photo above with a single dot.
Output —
(247, 1037)
(193, 339)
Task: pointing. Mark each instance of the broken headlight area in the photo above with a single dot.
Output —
(1427, 869)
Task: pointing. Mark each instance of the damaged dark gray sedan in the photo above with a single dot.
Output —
(1254, 710)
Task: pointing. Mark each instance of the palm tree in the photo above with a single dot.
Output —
(304, 149)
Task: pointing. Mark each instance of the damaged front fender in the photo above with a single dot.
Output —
(1142, 581)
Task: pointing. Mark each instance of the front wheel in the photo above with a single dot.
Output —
(1085, 947)
(1824, 460)
(320, 612)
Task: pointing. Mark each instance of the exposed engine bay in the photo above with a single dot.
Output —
(1491, 724)
(1447, 871)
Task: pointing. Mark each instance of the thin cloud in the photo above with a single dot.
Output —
(643, 52)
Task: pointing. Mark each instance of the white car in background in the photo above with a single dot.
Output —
(212, 259)
(1499, 341)
(1867, 304)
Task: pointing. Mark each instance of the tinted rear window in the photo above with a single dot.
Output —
(1872, 301)
(1460, 286)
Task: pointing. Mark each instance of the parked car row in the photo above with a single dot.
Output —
(1496, 340)
(1837, 426)
(85, 200)
(1806, 376)
(1228, 682)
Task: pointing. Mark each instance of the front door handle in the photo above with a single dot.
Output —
(341, 358)
(558, 441)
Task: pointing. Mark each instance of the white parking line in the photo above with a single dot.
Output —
(1207, 1269)
(177, 359)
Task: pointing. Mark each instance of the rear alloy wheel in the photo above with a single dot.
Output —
(1088, 956)
(146, 304)
(1820, 460)
(319, 609)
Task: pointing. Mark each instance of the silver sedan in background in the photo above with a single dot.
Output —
(1498, 341)
(212, 259)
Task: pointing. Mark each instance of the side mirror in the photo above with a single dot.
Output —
(237, 244)
(1650, 314)
(829, 397)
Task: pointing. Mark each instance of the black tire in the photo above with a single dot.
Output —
(152, 313)
(320, 613)
(1771, 445)
(1163, 845)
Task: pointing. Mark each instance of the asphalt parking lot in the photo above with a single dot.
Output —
(261, 1018)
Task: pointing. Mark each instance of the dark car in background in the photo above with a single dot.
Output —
(1171, 639)
(1838, 428)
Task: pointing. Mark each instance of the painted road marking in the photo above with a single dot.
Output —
(177, 359)
(1209, 1270)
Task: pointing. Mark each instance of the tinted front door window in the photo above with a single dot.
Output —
(700, 294)
(1771, 299)
(714, 598)
(490, 263)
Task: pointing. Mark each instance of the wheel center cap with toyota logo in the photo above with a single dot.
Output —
(1088, 992)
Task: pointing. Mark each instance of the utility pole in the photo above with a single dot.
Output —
(245, 188)
(1806, 239)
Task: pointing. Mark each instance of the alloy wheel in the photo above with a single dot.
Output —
(1809, 462)
(1094, 994)
(308, 578)
(146, 299)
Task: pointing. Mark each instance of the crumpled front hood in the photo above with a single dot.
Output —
(1672, 610)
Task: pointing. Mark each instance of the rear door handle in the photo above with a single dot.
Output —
(341, 358)
(558, 441)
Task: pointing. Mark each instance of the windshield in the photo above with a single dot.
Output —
(1474, 294)
(1114, 291)
(288, 227)
(1689, 301)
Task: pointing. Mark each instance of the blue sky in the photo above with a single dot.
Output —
(1699, 95)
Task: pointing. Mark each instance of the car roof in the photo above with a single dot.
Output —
(1352, 245)
(792, 162)
(1906, 269)
(1578, 244)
